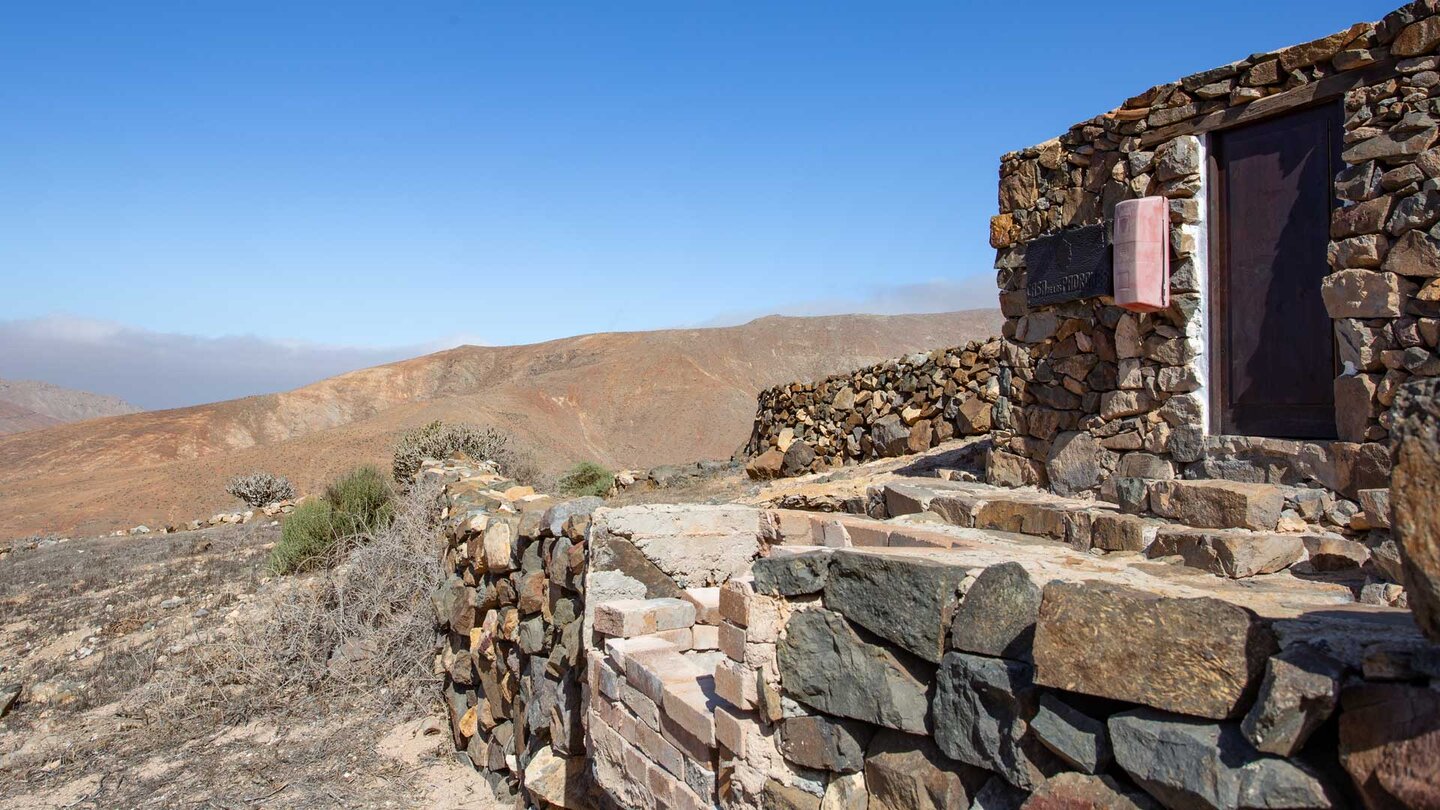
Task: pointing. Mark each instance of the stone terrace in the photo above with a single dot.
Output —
(952, 644)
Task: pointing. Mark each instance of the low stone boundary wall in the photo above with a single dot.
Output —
(510, 616)
(891, 409)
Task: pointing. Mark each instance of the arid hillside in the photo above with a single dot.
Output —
(623, 399)
(31, 405)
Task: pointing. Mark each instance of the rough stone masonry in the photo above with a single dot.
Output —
(1093, 387)
(890, 409)
(698, 656)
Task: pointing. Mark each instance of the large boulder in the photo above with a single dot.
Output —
(1187, 763)
(981, 710)
(997, 616)
(797, 459)
(1197, 656)
(792, 574)
(1230, 553)
(769, 464)
(1415, 480)
(826, 665)
(905, 598)
(1077, 462)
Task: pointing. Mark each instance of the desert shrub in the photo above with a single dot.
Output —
(587, 478)
(361, 500)
(359, 629)
(305, 536)
(441, 440)
(356, 504)
(260, 489)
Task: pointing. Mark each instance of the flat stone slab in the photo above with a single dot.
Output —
(1229, 553)
(1218, 504)
(1196, 656)
(695, 545)
(626, 618)
(798, 574)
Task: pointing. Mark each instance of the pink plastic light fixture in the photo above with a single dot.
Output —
(1142, 254)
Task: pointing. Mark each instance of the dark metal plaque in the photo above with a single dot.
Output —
(1068, 266)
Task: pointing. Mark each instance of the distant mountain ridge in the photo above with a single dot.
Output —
(624, 399)
(32, 405)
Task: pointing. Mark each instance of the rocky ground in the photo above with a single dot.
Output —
(102, 635)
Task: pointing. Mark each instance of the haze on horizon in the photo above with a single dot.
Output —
(206, 201)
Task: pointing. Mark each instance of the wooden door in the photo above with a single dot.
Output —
(1275, 366)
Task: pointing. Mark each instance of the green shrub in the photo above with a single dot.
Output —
(587, 478)
(362, 501)
(439, 440)
(305, 537)
(357, 504)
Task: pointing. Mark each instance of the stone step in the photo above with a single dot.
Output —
(1205, 539)
(1216, 504)
(1044, 523)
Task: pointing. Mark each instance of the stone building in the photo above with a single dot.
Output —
(1303, 188)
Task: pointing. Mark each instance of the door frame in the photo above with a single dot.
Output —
(1216, 301)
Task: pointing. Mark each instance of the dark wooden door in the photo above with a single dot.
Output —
(1276, 346)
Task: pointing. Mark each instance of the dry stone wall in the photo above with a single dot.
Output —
(891, 409)
(941, 667)
(510, 616)
(1098, 392)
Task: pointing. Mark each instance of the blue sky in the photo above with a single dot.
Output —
(388, 175)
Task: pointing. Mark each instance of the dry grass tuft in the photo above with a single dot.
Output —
(359, 630)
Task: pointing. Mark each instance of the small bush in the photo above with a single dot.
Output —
(440, 440)
(305, 537)
(587, 478)
(260, 489)
(360, 632)
(362, 501)
(356, 504)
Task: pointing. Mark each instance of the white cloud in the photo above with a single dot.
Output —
(166, 370)
(163, 370)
